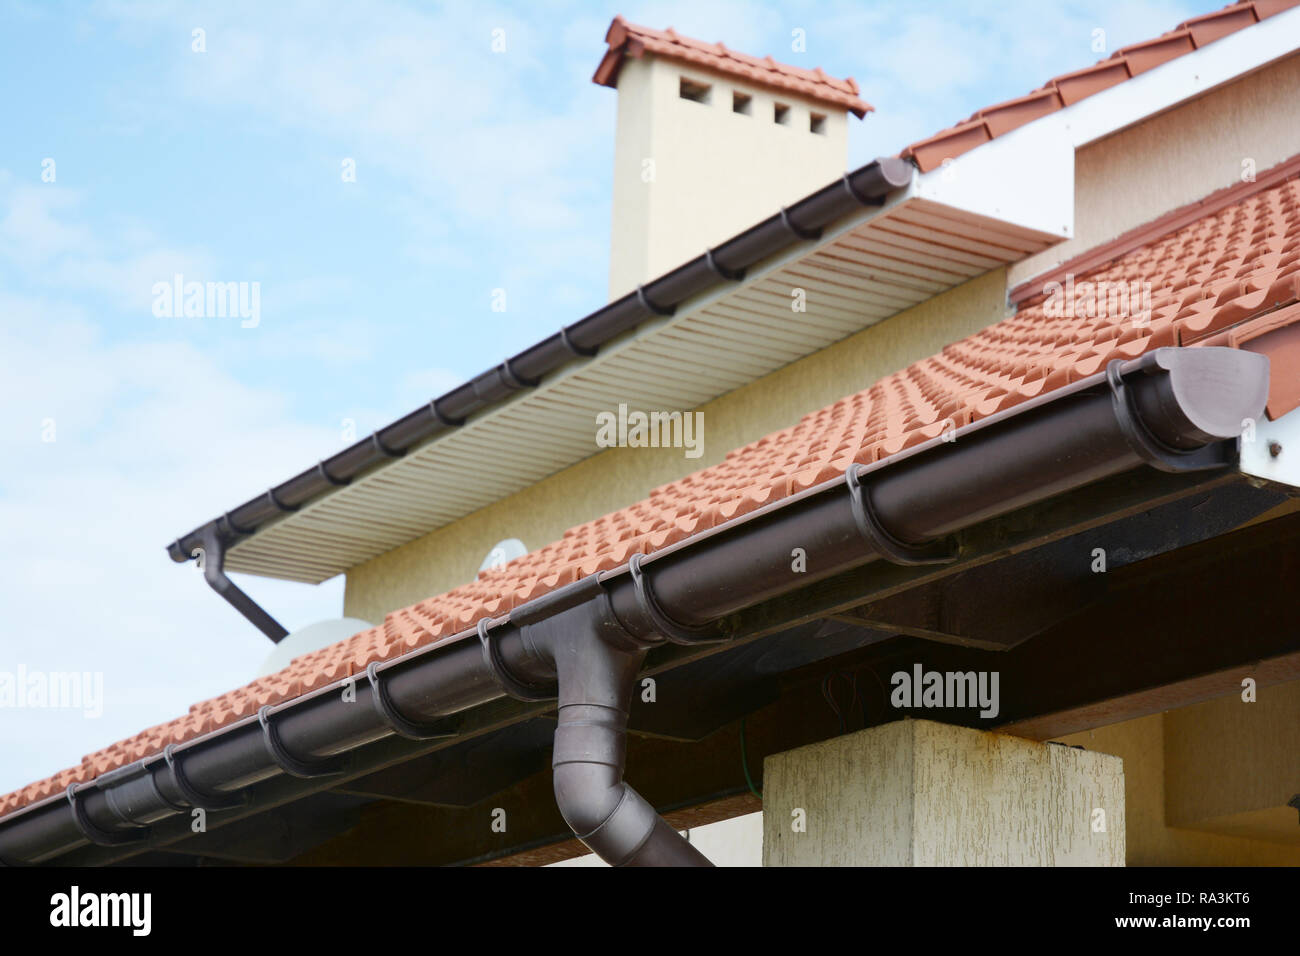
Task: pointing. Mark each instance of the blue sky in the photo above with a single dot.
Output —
(475, 170)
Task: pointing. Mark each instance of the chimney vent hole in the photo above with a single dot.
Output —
(698, 92)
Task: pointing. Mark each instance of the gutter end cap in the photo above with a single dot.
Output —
(1215, 390)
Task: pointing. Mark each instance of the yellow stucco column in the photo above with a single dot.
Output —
(919, 793)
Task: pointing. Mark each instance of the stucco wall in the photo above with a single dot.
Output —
(885, 797)
(1176, 158)
(619, 477)
(1143, 745)
(1231, 765)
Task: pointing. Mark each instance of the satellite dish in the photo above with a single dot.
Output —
(502, 553)
(311, 638)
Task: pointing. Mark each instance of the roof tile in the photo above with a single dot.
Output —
(930, 153)
(1149, 54)
(1213, 26)
(1084, 83)
(1004, 117)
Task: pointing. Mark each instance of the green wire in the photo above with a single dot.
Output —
(744, 762)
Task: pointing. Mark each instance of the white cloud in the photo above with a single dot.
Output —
(39, 235)
(481, 145)
(31, 233)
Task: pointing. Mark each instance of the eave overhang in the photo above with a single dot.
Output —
(854, 253)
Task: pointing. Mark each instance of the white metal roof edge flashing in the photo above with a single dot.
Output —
(1040, 194)
(1182, 78)
(1271, 449)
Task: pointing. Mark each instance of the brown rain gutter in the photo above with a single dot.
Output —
(1175, 409)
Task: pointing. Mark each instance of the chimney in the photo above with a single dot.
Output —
(710, 142)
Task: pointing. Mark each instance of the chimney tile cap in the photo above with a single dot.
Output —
(630, 40)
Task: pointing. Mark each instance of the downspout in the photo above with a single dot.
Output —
(1176, 409)
(212, 559)
(596, 659)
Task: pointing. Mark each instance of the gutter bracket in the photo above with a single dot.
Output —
(444, 420)
(943, 551)
(514, 380)
(870, 185)
(721, 271)
(865, 200)
(566, 339)
(99, 836)
(191, 794)
(277, 504)
(403, 726)
(330, 479)
(664, 625)
(651, 306)
(798, 231)
(295, 767)
(513, 686)
(1151, 449)
(212, 559)
(385, 450)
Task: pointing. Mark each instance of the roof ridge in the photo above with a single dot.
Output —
(1125, 63)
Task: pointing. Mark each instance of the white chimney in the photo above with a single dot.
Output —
(710, 142)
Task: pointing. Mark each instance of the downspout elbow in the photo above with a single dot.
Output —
(603, 811)
(596, 670)
(212, 559)
(617, 824)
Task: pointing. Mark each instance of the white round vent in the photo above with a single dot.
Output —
(502, 553)
(310, 638)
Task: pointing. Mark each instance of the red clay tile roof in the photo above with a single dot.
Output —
(627, 39)
(1103, 255)
(1069, 88)
(1229, 278)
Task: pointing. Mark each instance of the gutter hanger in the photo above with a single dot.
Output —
(1176, 409)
